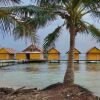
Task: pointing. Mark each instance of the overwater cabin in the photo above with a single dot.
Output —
(20, 56)
(36, 55)
(93, 54)
(53, 55)
(7, 54)
(33, 52)
(76, 54)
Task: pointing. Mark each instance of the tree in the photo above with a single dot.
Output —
(12, 20)
(71, 11)
(24, 20)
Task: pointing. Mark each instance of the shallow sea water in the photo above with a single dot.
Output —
(40, 75)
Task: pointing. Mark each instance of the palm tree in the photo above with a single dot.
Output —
(13, 23)
(24, 20)
(71, 11)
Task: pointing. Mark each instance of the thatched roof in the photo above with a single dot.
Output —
(9, 50)
(75, 51)
(55, 51)
(32, 48)
(93, 50)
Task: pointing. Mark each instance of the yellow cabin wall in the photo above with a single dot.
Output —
(99, 56)
(93, 56)
(4, 56)
(20, 56)
(53, 56)
(36, 56)
(76, 56)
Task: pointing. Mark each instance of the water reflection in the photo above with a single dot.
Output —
(42, 75)
(11, 68)
(76, 67)
(93, 67)
(31, 69)
(34, 68)
(53, 66)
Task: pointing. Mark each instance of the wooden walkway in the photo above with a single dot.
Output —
(4, 63)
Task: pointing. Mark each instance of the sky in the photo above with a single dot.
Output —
(83, 42)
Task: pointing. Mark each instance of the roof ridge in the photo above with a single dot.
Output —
(54, 48)
(93, 48)
(74, 49)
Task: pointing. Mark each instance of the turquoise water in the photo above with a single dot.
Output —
(43, 74)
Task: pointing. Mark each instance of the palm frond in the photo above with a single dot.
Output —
(9, 1)
(32, 10)
(37, 16)
(94, 32)
(90, 6)
(42, 2)
(81, 27)
(4, 12)
(22, 30)
(40, 21)
(6, 19)
(87, 28)
(27, 10)
(75, 3)
(95, 14)
(51, 38)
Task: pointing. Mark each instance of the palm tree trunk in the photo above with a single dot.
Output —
(69, 75)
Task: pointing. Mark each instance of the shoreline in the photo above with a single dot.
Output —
(56, 91)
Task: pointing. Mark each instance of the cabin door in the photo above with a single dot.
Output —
(28, 56)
